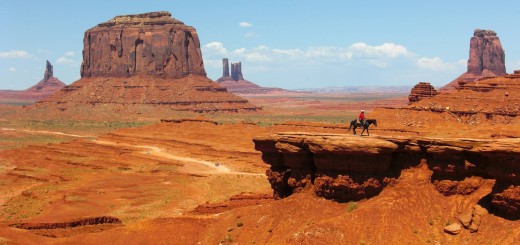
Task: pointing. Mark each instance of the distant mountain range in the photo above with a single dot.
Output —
(359, 89)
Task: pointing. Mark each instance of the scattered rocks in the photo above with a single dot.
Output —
(465, 218)
(453, 229)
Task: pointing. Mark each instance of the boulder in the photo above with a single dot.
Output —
(453, 229)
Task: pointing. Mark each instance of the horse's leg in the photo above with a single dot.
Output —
(354, 129)
(368, 133)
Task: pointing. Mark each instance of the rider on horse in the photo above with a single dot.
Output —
(361, 117)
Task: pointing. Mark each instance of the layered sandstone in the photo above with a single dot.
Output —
(420, 91)
(149, 44)
(345, 168)
(44, 88)
(486, 59)
(141, 66)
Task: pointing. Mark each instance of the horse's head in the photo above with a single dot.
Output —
(374, 121)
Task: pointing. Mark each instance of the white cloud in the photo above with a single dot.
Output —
(378, 63)
(215, 47)
(213, 63)
(70, 53)
(12, 69)
(245, 24)
(15, 54)
(250, 34)
(385, 50)
(436, 63)
(65, 61)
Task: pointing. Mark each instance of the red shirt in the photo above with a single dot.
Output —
(361, 116)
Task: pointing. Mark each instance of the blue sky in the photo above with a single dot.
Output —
(289, 44)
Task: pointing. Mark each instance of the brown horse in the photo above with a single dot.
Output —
(354, 124)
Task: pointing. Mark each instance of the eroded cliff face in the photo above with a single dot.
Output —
(345, 168)
(150, 44)
(421, 91)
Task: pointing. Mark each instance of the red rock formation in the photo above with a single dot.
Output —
(420, 91)
(44, 88)
(236, 82)
(144, 65)
(151, 44)
(344, 167)
(236, 71)
(486, 59)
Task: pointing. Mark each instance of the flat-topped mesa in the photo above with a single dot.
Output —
(152, 44)
(486, 56)
(421, 91)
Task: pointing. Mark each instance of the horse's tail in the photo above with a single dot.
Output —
(350, 127)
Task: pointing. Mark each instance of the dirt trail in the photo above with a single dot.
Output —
(214, 168)
(210, 167)
(45, 132)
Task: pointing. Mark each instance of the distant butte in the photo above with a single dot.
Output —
(47, 86)
(235, 82)
(148, 44)
(486, 59)
(141, 66)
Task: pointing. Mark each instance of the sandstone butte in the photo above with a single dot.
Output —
(235, 82)
(349, 168)
(420, 91)
(486, 59)
(143, 65)
(47, 86)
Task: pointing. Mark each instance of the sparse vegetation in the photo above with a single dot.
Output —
(351, 206)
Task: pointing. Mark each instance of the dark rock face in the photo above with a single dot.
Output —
(236, 71)
(486, 53)
(420, 91)
(48, 71)
(225, 67)
(148, 44)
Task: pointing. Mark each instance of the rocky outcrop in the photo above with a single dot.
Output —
(150, 44)
(345, 167)
(486, 101)
(420, 91)
(486, 59)
(44, 88)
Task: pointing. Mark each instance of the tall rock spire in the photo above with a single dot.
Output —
(486, 54)
(48, 71)
(225, 67)
(236, 71)
(486, 59)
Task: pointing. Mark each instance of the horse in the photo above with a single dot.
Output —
(354, 124)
